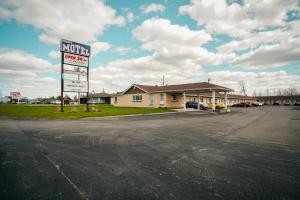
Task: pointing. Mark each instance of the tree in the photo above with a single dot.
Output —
(254, 93)
(279, 92)
(292, 91)
(267, 92)
(243, 87)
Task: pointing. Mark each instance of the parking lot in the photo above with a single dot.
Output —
(250, 153)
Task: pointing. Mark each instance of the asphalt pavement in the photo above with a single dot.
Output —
(250, 153)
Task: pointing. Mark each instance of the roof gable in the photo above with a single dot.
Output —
(134, 89)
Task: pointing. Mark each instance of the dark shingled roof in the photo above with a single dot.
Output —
(188, 86)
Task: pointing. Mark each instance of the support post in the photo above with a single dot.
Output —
(226, 100)
(198, 98)
(62, 84)
(213, 100)
(184, 102)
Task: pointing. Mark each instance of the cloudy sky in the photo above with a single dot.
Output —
(134, 41)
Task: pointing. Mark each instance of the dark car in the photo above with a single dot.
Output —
(242, 104)
(276, 104)
(193, 104)
(297, 103)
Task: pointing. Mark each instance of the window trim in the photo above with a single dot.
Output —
(137, 98)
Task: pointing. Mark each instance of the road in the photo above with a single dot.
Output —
(251, 153)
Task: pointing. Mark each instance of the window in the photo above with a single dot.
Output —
(162, 97)
(137, 98)
(116, 99)
(151, 99)
(173, 97)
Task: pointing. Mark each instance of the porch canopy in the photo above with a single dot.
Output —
(190, 88)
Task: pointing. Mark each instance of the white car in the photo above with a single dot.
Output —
(258, 103)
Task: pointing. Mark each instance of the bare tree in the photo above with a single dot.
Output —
(285, 92)
(267, 92)
(260, 93)
(243, 87)
(292, 91)
(254, 93)
(279, 92)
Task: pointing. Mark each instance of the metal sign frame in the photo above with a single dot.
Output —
(62, 72)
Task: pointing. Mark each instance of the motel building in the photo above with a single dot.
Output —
(175, 96)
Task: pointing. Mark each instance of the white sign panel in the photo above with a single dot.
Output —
(75, 70)
(77, 60)
(75, 86)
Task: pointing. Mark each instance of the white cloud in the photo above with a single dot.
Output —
(274, 55)
(31, 86)
(130, 16)
(144, 70)
(98, 47)
(177, 54)
(153, 8)
(174, 44)
(250, 48)
(235, 19)
(15, 60)
(54, 54)
(123, 50)
(157, 33)
(272, 48)
(258, 81)
(82, 21)
(25, 72)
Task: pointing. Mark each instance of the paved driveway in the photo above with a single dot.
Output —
(250, 153)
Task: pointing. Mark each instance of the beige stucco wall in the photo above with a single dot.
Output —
(178, 103)
(126, 100)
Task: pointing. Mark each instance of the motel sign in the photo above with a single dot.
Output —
(75, 48)
(74, 63)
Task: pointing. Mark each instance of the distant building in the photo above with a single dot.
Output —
(291, 99)
(97, 98)
(5, 99)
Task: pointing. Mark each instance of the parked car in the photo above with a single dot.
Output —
(287, 104)
(193, 104)
(257, 103)
(217, 105)
(297, 103)
(276, 104)
(242, 104)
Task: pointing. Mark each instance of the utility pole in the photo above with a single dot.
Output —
(163, 82)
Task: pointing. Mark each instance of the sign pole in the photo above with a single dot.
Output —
(62, 84)
(88, 85)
